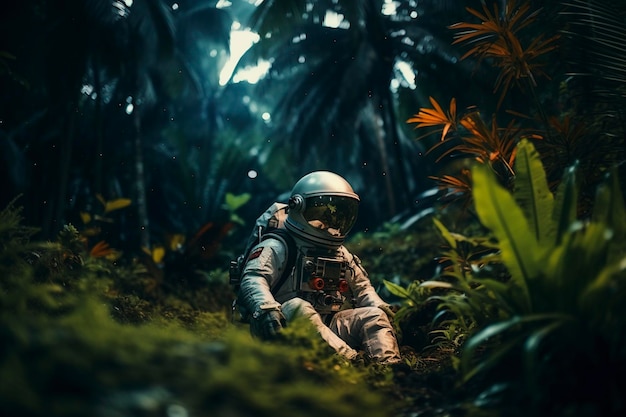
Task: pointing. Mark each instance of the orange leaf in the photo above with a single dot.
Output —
(101, 250)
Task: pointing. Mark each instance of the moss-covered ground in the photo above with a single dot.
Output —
(82, 335)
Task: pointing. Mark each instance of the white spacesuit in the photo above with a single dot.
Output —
(328, 284)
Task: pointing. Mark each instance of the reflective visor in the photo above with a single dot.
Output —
(332, 214)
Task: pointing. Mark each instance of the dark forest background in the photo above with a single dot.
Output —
(109, 100)
(122, 100)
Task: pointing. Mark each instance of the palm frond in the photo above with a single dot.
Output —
(490, 144)
(598, 32)
(436, 117)
(457, 188)
(497, 37)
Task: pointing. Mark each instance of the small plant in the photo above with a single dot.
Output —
(96, 225)
(413, 298)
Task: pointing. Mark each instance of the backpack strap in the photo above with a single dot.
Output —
(290, 245)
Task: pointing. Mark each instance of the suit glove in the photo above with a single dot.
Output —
(267, 324)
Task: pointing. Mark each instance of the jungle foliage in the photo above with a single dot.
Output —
(558, 302)
(528, 302)
(508, 279)
(573, 113)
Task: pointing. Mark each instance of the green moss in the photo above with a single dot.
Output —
(76, 343)
(78, 362)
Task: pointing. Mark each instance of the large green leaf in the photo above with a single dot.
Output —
(532, 192)
(445, 233)
(609, 210)
(396, 290)
(498, 211)
(470, 368)
(534, 354)
(602, 303)
(506, 294)
(233, 202)
(607, 282)
(570, 267)
(565, 207)
(511, 334)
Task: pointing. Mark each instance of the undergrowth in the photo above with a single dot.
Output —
(84, 336)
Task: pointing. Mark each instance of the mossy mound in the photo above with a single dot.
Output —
(85, 363)
(67, 351)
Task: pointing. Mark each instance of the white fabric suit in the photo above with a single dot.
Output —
(359, 324)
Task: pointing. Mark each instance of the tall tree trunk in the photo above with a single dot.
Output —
(379, 131)
(56, 213)
(390, 123)
(98, 128)
(140, 186)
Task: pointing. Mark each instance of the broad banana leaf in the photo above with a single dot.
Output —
(565, 207)
(498, 211)
(533, 194)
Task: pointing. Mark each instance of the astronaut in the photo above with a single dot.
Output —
(328, 284)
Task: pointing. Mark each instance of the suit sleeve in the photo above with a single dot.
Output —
(364, 292)
(263, 269)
